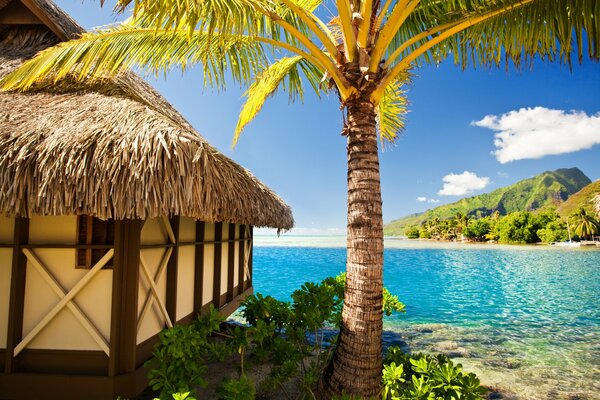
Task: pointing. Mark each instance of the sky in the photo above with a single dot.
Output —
(467, 132)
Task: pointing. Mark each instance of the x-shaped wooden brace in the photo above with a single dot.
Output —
(66, 300)
(247, 249)
(152, 296)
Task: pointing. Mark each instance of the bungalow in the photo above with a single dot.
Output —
(117, 220)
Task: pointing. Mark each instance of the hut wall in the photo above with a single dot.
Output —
(64, 331)
(224, 262)
(6, 239)
(236, 259)
(186, 267)
(153, 233)
(209, 262)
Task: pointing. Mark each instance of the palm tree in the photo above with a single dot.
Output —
(462, 221)
(597, 204)
(586, 225)
(365, 55)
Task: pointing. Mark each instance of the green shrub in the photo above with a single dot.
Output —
(267, 309)
(180, 357)
(427, 377)
(278, 332)
(412, 232)
(478, 229)
(237, 389)
(424, 233)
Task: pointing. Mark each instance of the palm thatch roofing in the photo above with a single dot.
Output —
(117, 150)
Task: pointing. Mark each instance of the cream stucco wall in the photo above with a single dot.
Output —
(236, 264)
(186, 267)
(6, 237)
(6, 229)
(153, 232)
(64, 332)
(209, 262)
(224, 258)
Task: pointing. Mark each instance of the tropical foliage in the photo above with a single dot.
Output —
(364, 54)
(282, 333)
(550, 189)
(586, 224)
(517, 227)
(420, 376)
(582, 199)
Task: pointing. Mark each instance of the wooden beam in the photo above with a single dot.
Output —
(217, 266)
(15, 13)
(150, 298)
(251, 247)
(63, 303)
(71, 305)
(199, 267)
(230, 262)
(148, 277)
(172, 269)
(126, 270)
(30, 4)
(17, 293)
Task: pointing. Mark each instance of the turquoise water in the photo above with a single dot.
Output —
(525, 319)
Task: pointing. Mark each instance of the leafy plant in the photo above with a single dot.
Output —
(412, 232)
(426, 377)
(267, 309)
(180, 357)
(237, 389)
(278, 332)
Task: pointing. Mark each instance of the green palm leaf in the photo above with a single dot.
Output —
(282, 73)
(239, 17)
(131, 45)
(391, 111)
(549, 29)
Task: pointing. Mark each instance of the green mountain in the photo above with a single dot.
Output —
(548, 189)
(581, 199)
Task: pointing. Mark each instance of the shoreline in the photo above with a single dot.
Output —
(398, 242)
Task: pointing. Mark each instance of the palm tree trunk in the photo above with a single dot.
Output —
(357, 362)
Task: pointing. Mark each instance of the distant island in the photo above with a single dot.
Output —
(543, 208)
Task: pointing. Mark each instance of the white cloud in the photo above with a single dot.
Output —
(422, 199)
(461, 184)
(538, 132)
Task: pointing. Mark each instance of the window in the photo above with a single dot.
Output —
(95, 234)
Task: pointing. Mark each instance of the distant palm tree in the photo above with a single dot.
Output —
(597, 205)
(365, 54)
(586, 225)
(462, 221)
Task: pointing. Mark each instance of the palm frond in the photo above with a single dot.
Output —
(241, 17)
(392, 110)
(484, 32)
(101, 55)
(517, 30)
(283, 73)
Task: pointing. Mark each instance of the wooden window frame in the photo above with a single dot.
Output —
(87, 248)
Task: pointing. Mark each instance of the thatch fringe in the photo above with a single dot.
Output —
(116, 151)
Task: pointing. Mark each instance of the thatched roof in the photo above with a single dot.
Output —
(117, 150)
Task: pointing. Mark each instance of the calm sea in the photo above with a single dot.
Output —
(526, 319)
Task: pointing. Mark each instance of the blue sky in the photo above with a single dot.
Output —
(298, 151)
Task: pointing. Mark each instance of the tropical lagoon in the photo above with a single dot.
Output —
(525, 319)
